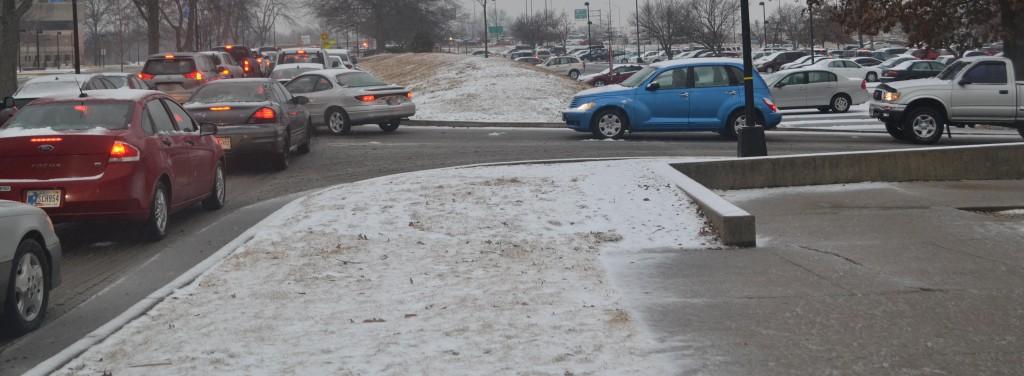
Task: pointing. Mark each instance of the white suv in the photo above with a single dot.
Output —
(568, 65)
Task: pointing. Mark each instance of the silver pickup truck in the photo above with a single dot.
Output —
(974, 90)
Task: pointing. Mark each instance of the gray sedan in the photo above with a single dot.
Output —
(341, 98)
(29, 265)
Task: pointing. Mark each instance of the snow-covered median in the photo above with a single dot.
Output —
(465, 271)
(452, 87)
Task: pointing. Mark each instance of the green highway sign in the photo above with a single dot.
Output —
(581, 14)
(496, 29)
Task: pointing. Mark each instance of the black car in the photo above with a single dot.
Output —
(178, 73)
(912, 70)
(774, 62)
(246, 58)
(255, 117)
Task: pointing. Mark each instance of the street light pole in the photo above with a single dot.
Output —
(750, 137)
(37, 47)
(764, 23)
(74, 20)
(810, 20)
(639, 54)
(58, 50)
(590, 39)
(486, 53)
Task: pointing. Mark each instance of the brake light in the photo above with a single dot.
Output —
(259, 59)
(46, 139)
(863, 84)
(366, 98)
(246, 67)
(220, 108)
(771, 105)
(168, 56)
(228, 47)
(123, 152)
(408, 95)
(81, 108)
(302, 52)
(263, 115)
(194, 75)
(225, 72)
(891, 73)
(146, 76)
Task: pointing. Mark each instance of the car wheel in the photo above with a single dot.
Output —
(872, 77)
(28, 290)
(574, 74)
(337, 122)
(737, 120)
(1021, 131)
(609, 123)
(390, 126)
(219, 194)
(307, 145)
(924, 126)
(280, 160)
(599, 83)
(895, 130)
(840, 103)
(155, 227)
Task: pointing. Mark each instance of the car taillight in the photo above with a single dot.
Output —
(263, 115)
(45, 139)
(194, 75)
(145, 76)
(123, 152)
(863, 84)
(246, 67)
(408, 95)
(225, 72)
(771, 105)
(891, 73)
(366, 98)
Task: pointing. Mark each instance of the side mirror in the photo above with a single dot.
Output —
(8, 102)
(653, 86)
(207, 129)
(300, 100)
(335, 64)
(961, 83)
(780, 85)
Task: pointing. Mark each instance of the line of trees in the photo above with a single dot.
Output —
(710, 23)
(416, 25)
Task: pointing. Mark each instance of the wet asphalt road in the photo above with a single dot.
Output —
(107, 268)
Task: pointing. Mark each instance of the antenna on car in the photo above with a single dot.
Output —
(81, 93)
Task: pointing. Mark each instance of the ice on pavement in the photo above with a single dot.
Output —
(461, 271)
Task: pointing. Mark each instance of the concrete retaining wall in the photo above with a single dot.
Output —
(982, 162)
(734, 226)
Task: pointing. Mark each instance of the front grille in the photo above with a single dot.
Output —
(574, 103)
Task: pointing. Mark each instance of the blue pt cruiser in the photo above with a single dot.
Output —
(676, 95)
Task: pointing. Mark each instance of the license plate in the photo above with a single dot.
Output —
(225, 142)
(44, 199)
(395, 100)
(5, 188)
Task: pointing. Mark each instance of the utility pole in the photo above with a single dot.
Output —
(590, 39)
(639, 54)
(74, 20)
(37, 47)
(750, 137)
(58, 50)
(764, 23)
(486, 53)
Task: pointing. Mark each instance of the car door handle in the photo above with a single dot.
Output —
(1004, 92)
(731, 92)
(684, 95)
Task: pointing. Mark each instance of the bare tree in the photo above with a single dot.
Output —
(536, 28)
(714, 21)
(663, 21)
(564, 29)
(11, 12)
(791, 23)
(265, 17)
(97, 15)
(150, 11)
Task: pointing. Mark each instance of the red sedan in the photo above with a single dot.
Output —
(114, 154)
(618, 74)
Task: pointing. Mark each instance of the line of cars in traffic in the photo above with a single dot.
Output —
(137, 148)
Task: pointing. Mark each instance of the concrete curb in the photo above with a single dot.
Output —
(478, 124)
(733, 225)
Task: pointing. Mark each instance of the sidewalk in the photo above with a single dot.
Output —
(864, 279)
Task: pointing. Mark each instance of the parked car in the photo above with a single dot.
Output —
(617, 74)
(301, 55)
(178, 73)
(946, 59)
(875, 72)
(542, 54)
(844, 67)
(973, 53)
(773, 63)
(866, 61)
(255, 117)
(679, 95)
(342, 98)
(971, 90)
(519, 54)
(815, 87)
(285, 72)
(114, 154)
(57, 84)
(664, 56)
(924, 53)
(30, 263)
(225, 64)
(246, 58)
(893, 51)
(648, 56)
(346, 58)
(912, 70)
(531, 60)
(481, 53)
(566, 65)
(802, 61)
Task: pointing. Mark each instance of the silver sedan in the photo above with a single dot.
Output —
(29, 265)
(817, 88)
(341, 98)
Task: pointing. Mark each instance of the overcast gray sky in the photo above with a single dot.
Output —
(517, 7)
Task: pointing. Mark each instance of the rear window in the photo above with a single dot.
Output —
(358, 79)
(67, 116)
(46, 88)
(231, 92)
(117, 80)
(293, 58)
(169, 66)
(288, 73)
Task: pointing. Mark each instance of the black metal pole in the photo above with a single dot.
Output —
(74, 20)
(590, 39)
(639, 54)
(751, 142)
(486, 53)
(764, 23)
(58, 50)
(810, 20)
(37, 47)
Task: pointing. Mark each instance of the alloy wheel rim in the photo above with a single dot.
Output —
(160, 210)
(220, 185)
(842, 104)
(336, 122)
(28, 287)
(924, 126)
(610, 125)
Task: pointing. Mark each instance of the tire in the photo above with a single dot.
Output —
(219, 193)
(280, 161)
(736, 120)
(599, 83)
(924, 125)
(337, 122)
(609, 123)
(28, 287)
(574, 74)
(155, 227)
(390, 126)
(872, 77)
(307, 145)
(1021, 131)
(895, 130)
(840, 103)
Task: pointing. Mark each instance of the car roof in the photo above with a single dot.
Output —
(299, 65)
(80, 78)
(331, 71)
(697, 61)
(250, 79)
(985, 58)
(99, 95)
(297, 49)
(163, 55)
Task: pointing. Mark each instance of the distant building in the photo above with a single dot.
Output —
(46, 36)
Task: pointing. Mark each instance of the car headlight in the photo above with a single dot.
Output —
(586, 106)
(891, 96)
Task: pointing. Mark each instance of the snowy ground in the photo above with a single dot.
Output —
(471, 271)
(467, 88)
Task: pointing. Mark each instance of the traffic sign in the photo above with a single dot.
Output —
(581, 14)
(324, 36)
(305, 39)
(496, 29)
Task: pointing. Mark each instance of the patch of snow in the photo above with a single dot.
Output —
(496, 133)
(760, 193)
(461, 271)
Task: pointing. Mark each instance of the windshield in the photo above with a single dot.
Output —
(358, 79)
(46, 88)
(67, 116)
(169, 66)
(289, 73)
(117, 80)
(293, 57)
(231, 92)
(639, 77)
(952, 70)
